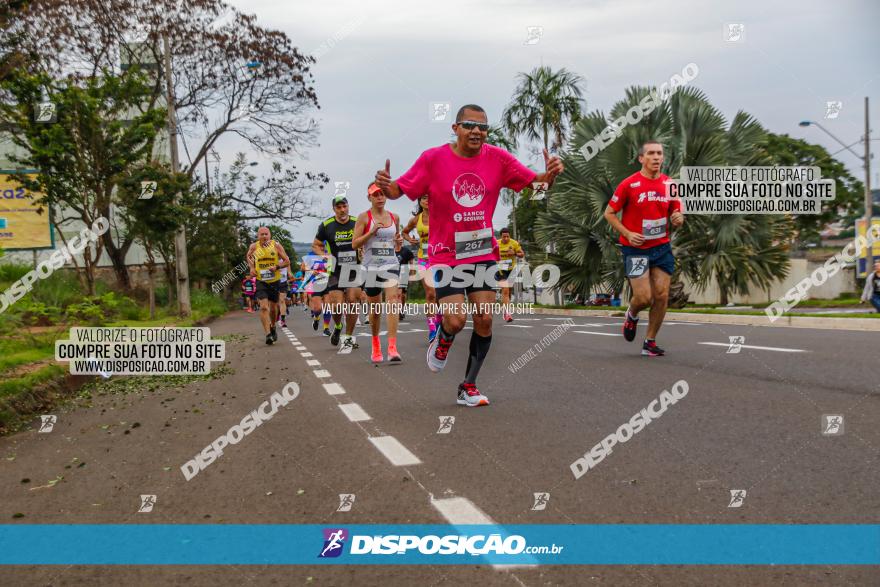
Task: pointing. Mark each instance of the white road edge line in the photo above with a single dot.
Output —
(354, 412)
(396, 453)
(757, 348)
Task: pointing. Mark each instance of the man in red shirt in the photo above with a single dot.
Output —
(463, 181)
(648, 212)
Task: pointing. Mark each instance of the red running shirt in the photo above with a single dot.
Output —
(646, 208)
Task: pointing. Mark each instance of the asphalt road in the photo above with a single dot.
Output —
(751, 420)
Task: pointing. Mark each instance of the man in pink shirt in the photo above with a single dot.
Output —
(463, 181)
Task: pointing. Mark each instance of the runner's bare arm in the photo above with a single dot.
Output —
(250, 259)
(360, 238)
(676, 219)
(633, 237)
(553, 166)
(410, 226)
(285, 260)
(384, 181)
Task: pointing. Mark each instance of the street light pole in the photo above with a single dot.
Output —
(183, 302)
(869, 204)
(866, 161)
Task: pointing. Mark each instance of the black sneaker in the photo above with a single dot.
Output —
(315, 324)
(334, 338)
(269, 339)
(326, 332)
(650, 349)
(273, 334)
(629, 327)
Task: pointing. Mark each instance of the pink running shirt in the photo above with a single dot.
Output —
(463, 192)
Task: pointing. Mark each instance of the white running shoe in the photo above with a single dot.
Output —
(469, 395)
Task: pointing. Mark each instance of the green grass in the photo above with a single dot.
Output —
(28, 382)
(25, 357)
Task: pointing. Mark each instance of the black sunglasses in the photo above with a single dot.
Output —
(468, 125)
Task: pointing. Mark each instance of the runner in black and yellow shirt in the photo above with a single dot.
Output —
(334, 238)
(508, 252)
(265, 257)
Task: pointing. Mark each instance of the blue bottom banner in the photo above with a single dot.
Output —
(376, 544)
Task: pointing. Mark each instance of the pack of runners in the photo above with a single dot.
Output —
(456, 188)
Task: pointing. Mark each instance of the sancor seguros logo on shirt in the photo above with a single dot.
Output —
(468, 189)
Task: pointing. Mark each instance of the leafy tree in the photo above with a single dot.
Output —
(849, 202)
(734, 251)
(229, 74)
(98, 137)
(154, 221)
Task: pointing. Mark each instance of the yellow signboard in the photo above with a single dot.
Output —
(22, 224)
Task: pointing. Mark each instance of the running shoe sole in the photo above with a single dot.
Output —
(394, 358)
(483, 401)
(334, 338)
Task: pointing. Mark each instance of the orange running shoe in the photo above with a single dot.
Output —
(393, 355)
(377, 350)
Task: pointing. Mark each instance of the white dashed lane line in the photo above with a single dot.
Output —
(598, 333)
(321, 373)
(313, 363)
(354, 412)
(397, 454)
(334, 389)
(460, 511)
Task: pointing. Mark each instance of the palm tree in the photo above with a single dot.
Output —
(734, 251)
(545, 104)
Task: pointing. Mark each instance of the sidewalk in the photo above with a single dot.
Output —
(868, 324)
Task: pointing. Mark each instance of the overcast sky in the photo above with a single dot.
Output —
(390, 60)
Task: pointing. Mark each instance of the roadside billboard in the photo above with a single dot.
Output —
(23, 224)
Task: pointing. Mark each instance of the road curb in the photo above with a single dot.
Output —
(868, 324)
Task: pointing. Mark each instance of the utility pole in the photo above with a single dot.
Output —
(183, 304)
(869, 204)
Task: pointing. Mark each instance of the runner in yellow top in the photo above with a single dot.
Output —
(265, 257)
(508, 251)
(419, 222)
